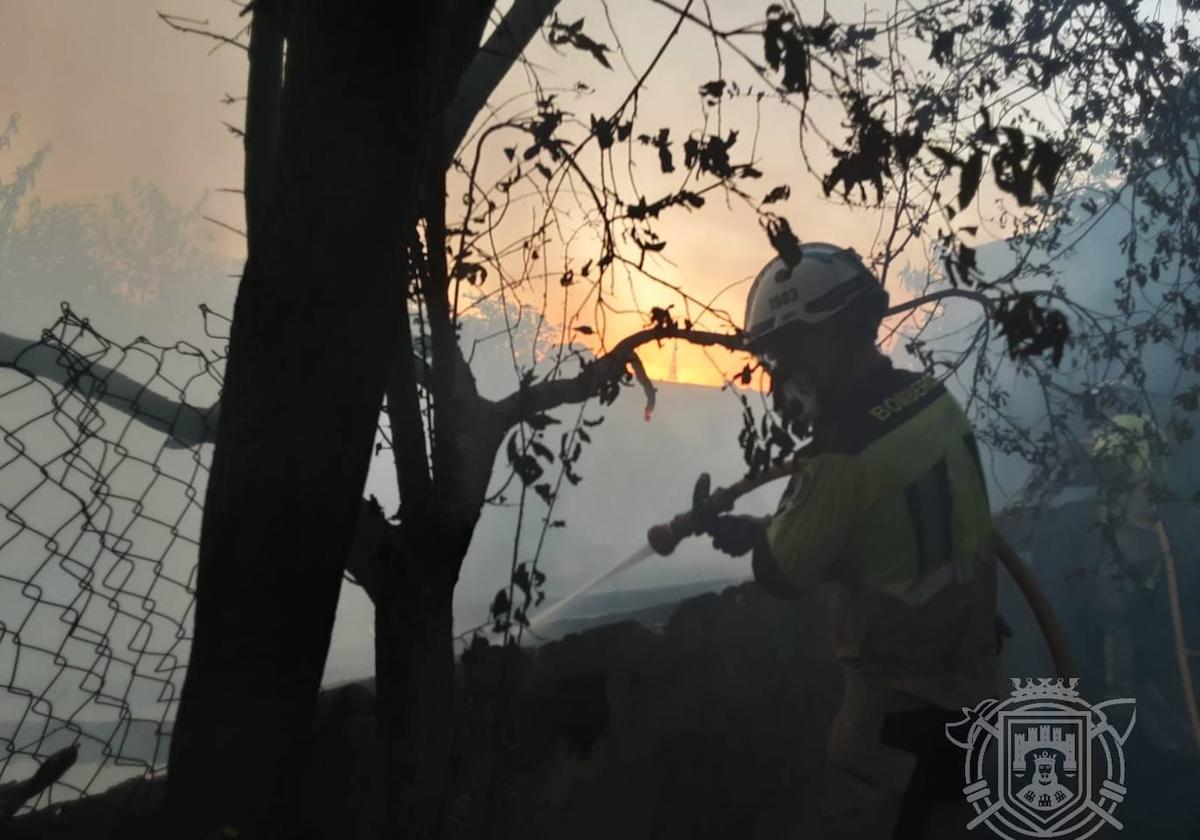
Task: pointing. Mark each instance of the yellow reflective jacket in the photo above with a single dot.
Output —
(893, 507)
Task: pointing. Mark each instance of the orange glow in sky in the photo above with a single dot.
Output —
(679, 361)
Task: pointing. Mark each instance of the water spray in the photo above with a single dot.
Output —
(664, 538)
(643, 553)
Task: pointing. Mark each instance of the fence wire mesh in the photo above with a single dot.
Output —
(103, 467)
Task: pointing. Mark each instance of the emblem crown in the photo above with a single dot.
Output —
(1058, 689)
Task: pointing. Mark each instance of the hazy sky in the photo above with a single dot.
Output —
(120, 96)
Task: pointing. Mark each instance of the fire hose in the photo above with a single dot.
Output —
(665, 537)
(1181, 649)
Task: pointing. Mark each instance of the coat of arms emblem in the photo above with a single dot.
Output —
(1044, 763)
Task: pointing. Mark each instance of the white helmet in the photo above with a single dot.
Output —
(1111, 398)
(827, 280)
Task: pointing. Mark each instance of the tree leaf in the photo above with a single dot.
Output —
(711, 92)
(500, 605)
(1046, 163)
(785, 243)
(780, 193)
(1031, 329)
(541, 421)
(542, 450)
(943, 47)
(572, 34)
(968, 182)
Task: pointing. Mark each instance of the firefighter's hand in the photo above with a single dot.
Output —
(704, 511)
(736, 535)
(733, 535)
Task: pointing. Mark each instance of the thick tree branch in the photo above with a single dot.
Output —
(552, 393)
(185, 425)
(491, 63)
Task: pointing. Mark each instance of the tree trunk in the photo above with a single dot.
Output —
(415, 691)
(315, 318)
(264, 87)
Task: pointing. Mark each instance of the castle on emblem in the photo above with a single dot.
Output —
(1060, 760)
(1045, 736)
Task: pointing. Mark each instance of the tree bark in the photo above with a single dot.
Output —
(264, 87)
(415, 689)
(320, 299)
(416, 692)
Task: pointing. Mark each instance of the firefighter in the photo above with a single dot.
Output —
(1124, 464)
(1126, 461)
(891, 505)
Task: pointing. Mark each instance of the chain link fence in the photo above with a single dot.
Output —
(103, 467)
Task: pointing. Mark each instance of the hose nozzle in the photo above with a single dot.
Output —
(666, 536)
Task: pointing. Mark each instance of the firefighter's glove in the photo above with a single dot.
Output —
(733, 535)
(737, 535)
(704, 511)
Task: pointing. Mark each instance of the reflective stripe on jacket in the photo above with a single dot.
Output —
(893, 507)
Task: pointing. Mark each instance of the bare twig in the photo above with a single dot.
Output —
(227, 227)
(193, 26)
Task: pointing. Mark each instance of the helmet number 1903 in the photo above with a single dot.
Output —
(783, 298)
